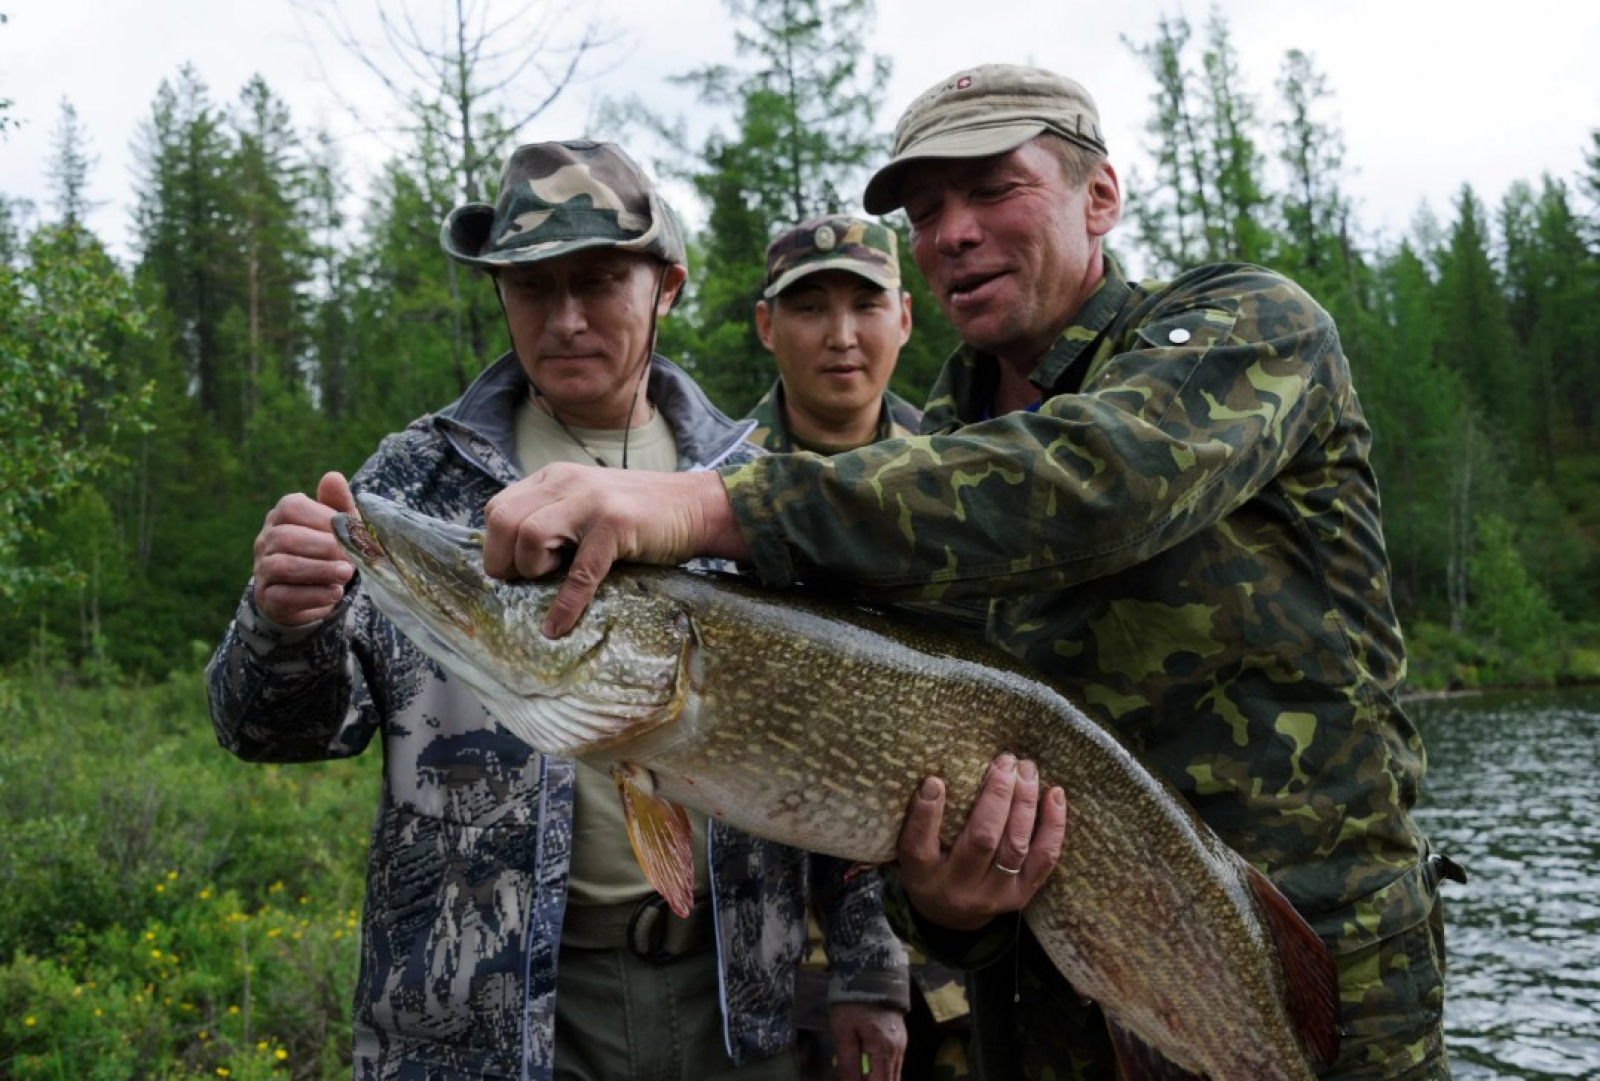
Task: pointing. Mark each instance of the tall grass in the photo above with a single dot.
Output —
(169, 911)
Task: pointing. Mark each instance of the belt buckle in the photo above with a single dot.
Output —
(647, 930)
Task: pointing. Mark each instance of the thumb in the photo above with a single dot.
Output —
(334, 491)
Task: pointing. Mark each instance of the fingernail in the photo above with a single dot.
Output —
(1058, 797)
(1006, 763)
(1027, 770)
(930, 788)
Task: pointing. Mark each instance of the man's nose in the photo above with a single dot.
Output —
(567, 315)
(956, 228)
(841, 332)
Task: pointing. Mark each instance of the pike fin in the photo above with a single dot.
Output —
(1313, 981)
(1138, 1061)
(659, 833)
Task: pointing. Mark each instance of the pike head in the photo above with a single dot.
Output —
(619, 673)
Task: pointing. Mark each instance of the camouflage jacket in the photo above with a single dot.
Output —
(469, 859)
(1185, 536)
(898, 419)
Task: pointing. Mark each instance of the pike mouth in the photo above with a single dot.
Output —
(356, 537)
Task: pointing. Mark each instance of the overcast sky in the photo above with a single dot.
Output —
(1428, 94)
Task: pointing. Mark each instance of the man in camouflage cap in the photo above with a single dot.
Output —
(834, 316)
(508, 930)
(1163, 492)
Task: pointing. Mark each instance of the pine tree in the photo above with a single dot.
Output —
(268, 236)
(1476, 337)
(1171, 214)
(1314, 211)
(1238, 231)
(70, 168)
(803, 133)
(181, 222)
(1551, 283)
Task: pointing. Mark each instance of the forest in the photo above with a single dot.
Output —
(173, 913)
(271, 324)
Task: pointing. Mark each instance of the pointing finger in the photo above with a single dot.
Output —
(589, 566)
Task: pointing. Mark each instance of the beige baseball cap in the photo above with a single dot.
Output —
(982, 111)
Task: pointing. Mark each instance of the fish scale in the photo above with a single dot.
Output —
(813, 723)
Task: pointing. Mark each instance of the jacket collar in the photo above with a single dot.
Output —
(486, 414)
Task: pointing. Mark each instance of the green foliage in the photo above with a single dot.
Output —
(1208, 197)
(64, 315)
(275, 324)
(1511, 616)
(171, 911)
(803, 110)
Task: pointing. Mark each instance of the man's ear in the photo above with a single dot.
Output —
(905, 316)
(671, 283)
(764, 323)
(1103, 205)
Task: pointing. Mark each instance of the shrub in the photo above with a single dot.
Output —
(171, 911)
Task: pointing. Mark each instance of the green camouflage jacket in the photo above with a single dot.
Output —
(899, 419)
(1185, 536)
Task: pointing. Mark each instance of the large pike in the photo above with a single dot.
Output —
(813, 724)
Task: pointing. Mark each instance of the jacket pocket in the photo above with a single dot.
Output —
(1389, 949)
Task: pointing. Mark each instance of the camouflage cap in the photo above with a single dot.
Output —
(561, 197)
(983, 111)
(832, 243)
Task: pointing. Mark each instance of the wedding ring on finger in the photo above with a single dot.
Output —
(1003, 869)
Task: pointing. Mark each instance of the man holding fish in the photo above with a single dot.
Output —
(1163, 494)
(508, 930)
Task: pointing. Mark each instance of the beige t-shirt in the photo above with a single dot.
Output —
(604, 870)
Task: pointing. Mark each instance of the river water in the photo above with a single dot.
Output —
(1513, 794)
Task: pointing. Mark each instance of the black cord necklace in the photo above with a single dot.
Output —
(537, 397)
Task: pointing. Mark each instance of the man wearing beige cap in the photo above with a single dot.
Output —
(1163, 494)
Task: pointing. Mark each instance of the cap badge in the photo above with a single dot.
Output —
(824, 239)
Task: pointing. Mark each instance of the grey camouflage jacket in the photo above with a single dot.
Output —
(470, 854)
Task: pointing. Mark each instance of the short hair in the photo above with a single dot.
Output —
(1078, 162)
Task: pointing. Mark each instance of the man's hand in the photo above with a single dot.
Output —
(300, 569)
(1003, 855)
(876, 1032)
(604, 516)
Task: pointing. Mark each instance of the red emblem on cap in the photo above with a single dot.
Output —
(963, 82)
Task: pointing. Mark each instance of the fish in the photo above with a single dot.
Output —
(812, 721)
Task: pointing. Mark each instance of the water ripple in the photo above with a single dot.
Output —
(1513, 794)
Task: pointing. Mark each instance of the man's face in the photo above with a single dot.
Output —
(1009, 248)
(836, 337)
(581, 327)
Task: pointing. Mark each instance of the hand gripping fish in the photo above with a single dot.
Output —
(813, 724)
